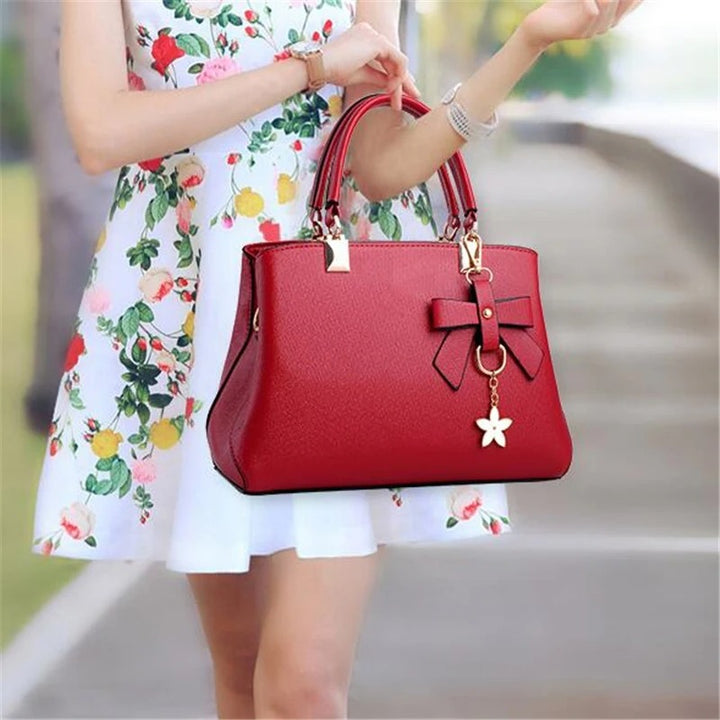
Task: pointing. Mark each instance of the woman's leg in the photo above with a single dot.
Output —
(229, 613)
(312, 615)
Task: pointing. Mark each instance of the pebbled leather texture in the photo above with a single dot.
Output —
(367, 378)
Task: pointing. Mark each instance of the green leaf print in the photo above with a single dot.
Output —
(185, 252)
(142, 393)
(139, 350)
(119, 473)
(126, 361)
(159, 400)
(143, 412)
(104, 487)
(144, 312)
(75, 400)
(158, 207)
(143, 253)
(123, 191)
(125, 487)
(130, 321)
(307, 130)
(147, 374)
(389, 223)
(90, 540)
(451, 522)
(193, 44)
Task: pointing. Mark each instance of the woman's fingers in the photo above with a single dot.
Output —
(625, 8)
(605, 15)
(367, 74)
(409, 87)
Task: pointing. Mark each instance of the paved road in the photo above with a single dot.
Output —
(600, 603)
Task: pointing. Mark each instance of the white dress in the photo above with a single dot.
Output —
(127, 472)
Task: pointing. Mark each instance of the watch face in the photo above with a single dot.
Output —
(303, 47)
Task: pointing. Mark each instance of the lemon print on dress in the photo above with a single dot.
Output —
(248, 202)
(101, 240)
(163, 434)
(335, 104)
(188, 326)
(105, 443)
(285, 188)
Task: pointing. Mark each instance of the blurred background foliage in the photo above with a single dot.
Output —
(574, 68)
(15, 125)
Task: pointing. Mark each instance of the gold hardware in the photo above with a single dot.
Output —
(483, 369)
(493, 426)
(487, 312)
(472, 270)
(337, 251)
(470, 255)
(256, 319)
(449, 231)
(470, 251)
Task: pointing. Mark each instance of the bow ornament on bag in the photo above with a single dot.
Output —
(498, 319)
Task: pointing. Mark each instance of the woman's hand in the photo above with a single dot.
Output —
(558, 20)
(363, 55)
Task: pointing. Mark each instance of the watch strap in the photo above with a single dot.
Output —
(315, 69)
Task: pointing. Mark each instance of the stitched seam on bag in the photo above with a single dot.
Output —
(400, 243)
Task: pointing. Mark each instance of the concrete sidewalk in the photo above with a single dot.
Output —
(603, 601)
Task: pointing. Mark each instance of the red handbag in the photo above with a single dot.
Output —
(358, 365)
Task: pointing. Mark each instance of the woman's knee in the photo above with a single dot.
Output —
(296, 679)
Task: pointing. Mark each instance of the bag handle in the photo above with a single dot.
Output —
(331, 166)
(325, 165)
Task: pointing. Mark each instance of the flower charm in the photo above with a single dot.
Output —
(493, 427)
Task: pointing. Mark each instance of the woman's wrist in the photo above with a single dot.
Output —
(526, 37)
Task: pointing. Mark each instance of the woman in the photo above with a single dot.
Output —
(216, 144)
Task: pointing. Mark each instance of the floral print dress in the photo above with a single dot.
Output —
(127, 472)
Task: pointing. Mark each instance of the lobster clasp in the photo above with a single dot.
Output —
(470, 252)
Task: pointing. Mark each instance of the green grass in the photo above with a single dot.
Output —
(28, 580)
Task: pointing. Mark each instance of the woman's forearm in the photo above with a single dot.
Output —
(132, 126)
(388, 157)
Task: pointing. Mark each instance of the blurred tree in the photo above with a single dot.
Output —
(14, 133)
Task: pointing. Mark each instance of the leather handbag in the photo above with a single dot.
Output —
(387, 363)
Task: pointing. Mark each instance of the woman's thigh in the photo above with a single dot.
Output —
(229, 609)
(313, 610)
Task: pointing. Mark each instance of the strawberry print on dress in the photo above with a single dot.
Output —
(127, 472)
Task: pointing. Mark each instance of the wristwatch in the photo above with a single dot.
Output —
(465, 126)
(312, 54)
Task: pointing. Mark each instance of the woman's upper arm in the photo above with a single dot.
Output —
(92, 68)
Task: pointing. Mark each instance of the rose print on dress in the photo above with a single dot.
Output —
(466, 504)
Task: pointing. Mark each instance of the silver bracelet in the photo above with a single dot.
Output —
(464, 125)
